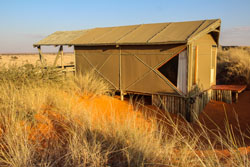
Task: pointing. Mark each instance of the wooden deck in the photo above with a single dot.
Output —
(233, 88)
(227, 93)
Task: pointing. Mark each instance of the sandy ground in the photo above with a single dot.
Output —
(237, 114)
(214, 117)
(19, 59)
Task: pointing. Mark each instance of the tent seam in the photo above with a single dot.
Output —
(83, 32)
(128, 33)
(94, 67)
(158, 33)
(112, 29)
(155, 70)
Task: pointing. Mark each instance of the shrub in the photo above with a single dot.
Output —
(29, 74)
(233, 66)
(14, 57)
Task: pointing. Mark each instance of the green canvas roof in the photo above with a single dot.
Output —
(61, 37)
(143, 34)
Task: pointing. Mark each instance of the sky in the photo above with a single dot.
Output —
(25, 22)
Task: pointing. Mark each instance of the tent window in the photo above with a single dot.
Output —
(170, 70)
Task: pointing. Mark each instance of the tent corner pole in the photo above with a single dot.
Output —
(120, 74)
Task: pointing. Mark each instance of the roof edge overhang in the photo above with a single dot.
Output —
(114, 44)
(37, 45)
(214, 27)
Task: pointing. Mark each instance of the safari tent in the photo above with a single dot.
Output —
(174, 62)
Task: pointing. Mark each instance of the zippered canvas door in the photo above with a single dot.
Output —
(182, 72)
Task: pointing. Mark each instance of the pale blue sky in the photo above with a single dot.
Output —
(24, 22)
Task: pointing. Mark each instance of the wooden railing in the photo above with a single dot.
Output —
(188, 107)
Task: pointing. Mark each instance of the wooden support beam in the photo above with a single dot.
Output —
(42, 60)
(236, 97)
(62, 63)
(57, 56)
(75, 60)
(122, 95)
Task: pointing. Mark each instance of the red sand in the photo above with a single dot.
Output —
(105, 108)
(216, 113)
(214, 117)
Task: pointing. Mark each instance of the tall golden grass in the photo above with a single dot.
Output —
(233, 66)
(46, 121)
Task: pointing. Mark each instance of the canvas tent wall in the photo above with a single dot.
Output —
(206, 58)
(139, 66)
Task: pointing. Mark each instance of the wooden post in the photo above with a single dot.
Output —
(122, 95)
(58, 54)
(40, 55)
(62, 57)
(236, 97)
(75, 60)
(155, 100)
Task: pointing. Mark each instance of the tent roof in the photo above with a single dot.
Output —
(143, 34)
(61, 37)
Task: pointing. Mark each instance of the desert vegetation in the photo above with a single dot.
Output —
(233, 66)
(48, 119)
(32, 58)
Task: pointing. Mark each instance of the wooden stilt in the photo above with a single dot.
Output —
(236, 97)
(62, 57)
(75, 61)
(40, 55)
(122, 95)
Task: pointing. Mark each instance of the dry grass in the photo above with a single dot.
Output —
(21, 59)
(73, 123)
(234, 66)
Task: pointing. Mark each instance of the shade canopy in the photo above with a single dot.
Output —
(143, 34)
